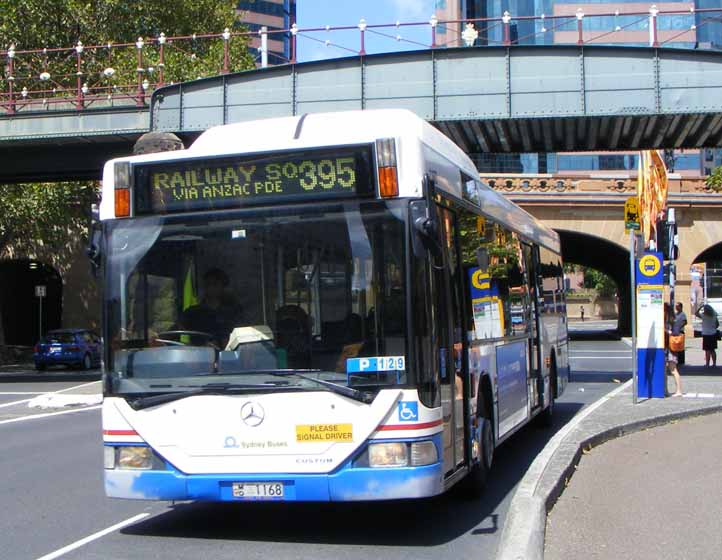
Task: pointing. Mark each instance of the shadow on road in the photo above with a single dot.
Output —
(600, 377)
(591, 334)
(426, 522)
(26, 373)
(701, 371)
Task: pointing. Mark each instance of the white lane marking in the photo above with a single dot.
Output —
(14, 403)
(77, 544)
(582, 350)
(76, 386)
(47, 414)
(49, 393)
(600, 357)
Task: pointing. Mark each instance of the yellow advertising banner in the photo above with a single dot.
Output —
(651, 191)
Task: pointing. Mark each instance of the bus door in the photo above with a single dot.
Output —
(449, 341)
(536, 383)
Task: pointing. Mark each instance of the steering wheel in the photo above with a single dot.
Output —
(162, 337)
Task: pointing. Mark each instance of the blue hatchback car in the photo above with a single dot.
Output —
(71, 347)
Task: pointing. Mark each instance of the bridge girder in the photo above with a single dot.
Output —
(490, 99)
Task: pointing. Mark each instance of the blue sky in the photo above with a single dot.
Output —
(319, 13)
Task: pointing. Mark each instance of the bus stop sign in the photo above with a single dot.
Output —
(631, 213)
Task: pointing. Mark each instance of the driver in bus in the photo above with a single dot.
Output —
(218, 313)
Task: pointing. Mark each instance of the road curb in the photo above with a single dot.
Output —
(524, 533)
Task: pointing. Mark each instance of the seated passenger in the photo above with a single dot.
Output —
(218, 313)
(293, 334)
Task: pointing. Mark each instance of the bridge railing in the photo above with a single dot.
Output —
(81, 76)
(553, 185)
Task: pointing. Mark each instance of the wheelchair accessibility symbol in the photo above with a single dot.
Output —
(408, 411)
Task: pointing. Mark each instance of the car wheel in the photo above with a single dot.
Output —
(87, 362)
(40, 367)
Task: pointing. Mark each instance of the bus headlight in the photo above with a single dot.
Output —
(108, 457)
(423, 453)
(135, 457)
(388, 455)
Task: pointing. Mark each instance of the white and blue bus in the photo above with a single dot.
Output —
(320, 308)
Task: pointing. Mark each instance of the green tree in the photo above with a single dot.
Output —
(45, 213)
(596, 280)
(36, 24)
(714, 181)
(53, 215)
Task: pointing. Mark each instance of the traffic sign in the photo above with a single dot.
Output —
(631, 213)
(41, 291)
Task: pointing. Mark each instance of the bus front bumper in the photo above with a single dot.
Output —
(347, 484)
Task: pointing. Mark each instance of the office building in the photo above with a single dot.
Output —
(686, 29)
(274, 14)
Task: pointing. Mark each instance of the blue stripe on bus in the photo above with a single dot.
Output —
(347, 483)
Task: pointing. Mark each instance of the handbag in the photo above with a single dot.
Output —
(676, 342)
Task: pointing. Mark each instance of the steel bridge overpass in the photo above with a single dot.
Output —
(487, 99)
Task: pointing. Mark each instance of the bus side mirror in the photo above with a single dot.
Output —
(424, 231)
(94, 248)
(482, 258)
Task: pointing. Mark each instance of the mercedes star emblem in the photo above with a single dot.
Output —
(252, 414)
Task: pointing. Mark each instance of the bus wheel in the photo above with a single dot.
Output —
(477, 478)
(546, 418)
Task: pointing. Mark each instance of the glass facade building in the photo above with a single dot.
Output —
(274, 14)
(687, 29)
(701, 30)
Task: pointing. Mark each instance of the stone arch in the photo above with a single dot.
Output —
(19, 307)
(710, 254)
(607, 257)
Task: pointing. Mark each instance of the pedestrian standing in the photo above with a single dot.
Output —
(582, 313)
(678, 324)
(710, 323)
(671, 356)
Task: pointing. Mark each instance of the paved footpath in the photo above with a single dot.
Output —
(650, 495)
(612, 416)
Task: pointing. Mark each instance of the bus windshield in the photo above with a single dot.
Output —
(239, 296)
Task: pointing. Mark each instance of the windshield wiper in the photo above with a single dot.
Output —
(207, 389)
(361, 396)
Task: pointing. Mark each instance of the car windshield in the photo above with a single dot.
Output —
(59, 338)
(216, 297)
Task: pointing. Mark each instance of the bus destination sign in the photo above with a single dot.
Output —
(234, 182)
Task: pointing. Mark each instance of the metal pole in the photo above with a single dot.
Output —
(40, 322)
(633, 299)
(580, 27)
(79, 101)
(672, 267)
(11, 80)
(140, 92)
(264, 47)
(263, 284)
(653, 37)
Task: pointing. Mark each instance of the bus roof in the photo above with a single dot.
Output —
(348, 128)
